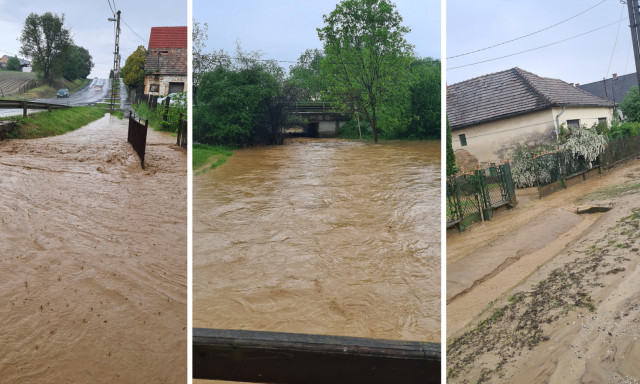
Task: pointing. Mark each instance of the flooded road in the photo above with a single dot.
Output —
(93, 258)
(321, 236)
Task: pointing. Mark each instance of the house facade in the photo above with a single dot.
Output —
(4, 59)
(492, 115)
(166, 61)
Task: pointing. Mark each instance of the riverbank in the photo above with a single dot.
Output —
(574, 317)
(209, 156)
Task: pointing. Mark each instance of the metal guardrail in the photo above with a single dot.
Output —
(312, 107)
(25, 105)
(275, 357)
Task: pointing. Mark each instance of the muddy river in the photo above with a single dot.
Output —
(93, 258)
(321, 236)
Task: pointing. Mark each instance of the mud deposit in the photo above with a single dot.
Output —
(93, 258)
(575, 319)
(321, 236)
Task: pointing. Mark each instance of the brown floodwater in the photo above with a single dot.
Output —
(321, 236)
(93, 259)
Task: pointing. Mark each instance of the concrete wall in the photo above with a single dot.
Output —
(329, 128)
(163, 81)
(495, 141)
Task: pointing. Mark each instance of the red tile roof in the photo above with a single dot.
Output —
(168, 37)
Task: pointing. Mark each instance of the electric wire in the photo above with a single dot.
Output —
(134, 32)
(614, 44)
(527, 35)
(536, 48)
(109, 2)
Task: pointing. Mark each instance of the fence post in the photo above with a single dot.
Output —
(166, 112)
(24, 109)
(179, 129)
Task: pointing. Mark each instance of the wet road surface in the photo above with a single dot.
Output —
(321, 236)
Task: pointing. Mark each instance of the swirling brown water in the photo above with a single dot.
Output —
(321, 236)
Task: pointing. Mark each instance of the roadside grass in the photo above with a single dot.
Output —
(610, 192)
(143, 110)
(57, 122)
(214, 155)
(46, 91)
(118, 113)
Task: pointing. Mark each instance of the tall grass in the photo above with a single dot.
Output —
(56, 122)
(209, 154)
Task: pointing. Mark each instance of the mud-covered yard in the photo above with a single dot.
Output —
(575, 316)
(93, 258)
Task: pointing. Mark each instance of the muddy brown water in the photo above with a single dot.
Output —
(93, 259)
(321, 236)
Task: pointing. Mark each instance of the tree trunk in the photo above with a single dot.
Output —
(374, 124)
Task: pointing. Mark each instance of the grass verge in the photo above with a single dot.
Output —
(46, 91)
(210, 154)
(54, 123)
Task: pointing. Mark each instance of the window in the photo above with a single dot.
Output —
(176, 87)
(602, 120)
(573, 123)
(154, 87)
(463, 139)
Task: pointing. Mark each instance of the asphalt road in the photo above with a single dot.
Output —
(85, 96)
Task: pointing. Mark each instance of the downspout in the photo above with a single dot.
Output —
(558, 124)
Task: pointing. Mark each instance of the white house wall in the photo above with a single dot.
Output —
(495, 141)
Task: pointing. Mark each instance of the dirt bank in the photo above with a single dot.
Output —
(574, 317)
(93, 258)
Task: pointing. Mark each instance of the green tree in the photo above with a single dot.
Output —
(13, 64)
(451, 156)
(308, 75)
(74, 63)
(133, 70)
(44, 39)
(367, 58)
(425, 96)
(630, 105)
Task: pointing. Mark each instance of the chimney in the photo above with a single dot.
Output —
(615, 76)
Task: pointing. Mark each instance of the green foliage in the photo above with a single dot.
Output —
(231, 105)
(203, 154)
(620, 130)
(425, 96)
(522, 169)
(367, 60)
(451, 156)
(630, 105)
(308, 75)
(74, 63)
(177, 108)
(133, 71)
(13, 64)
(44, 39)
(583, 141)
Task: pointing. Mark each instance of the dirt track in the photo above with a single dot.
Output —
(93, 258)
(564, 312)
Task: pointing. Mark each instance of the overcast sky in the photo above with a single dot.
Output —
(474, 25)
(89, 26)
(284, 29)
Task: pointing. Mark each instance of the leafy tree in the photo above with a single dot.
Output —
(425, 99)
(367, 58)
(133, 70)
(308, 75)
(74, 63)
(13, 64)
(630, 105)
(451, 156)
(44, 39)
(231, 106)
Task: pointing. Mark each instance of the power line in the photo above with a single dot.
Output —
(615, 43)
(109, 2)
(534, 49)
(527, 35)
(134, 32)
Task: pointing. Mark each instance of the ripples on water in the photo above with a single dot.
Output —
(321, 236)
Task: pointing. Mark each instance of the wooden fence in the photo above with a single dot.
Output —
(182, 133)
(137, 136)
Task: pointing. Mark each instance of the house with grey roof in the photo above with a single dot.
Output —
(492, 115)
(613, 89)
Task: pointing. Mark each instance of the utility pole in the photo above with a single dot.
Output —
(634, 21)
(116, 61)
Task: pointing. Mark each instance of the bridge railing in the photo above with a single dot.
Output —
(275, 357)
(25, 105)
(313, 107)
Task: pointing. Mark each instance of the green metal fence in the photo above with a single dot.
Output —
(618, 150)
(472, 198)
(558, 166)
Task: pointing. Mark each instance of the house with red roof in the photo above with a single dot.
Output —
(166, 62)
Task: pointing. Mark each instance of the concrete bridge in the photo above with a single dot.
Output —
(323, 120)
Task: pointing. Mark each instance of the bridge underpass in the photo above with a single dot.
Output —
(322, 119)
